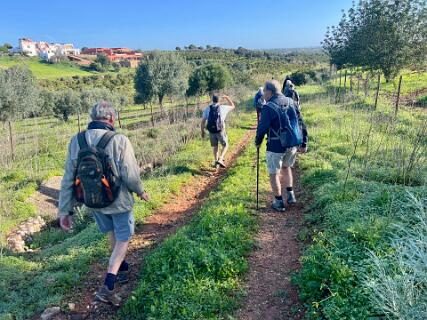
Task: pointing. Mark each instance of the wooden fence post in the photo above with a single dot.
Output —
(345, 81)
(78, 121)
(358, 83)
(378, 90)
(152, 115)
(398, 96)
(118, 118)
(186, 107)
(12, 147)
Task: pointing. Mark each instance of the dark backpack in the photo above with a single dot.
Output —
(291, 93)
(214, 120)
(289, 133)
(95, 183)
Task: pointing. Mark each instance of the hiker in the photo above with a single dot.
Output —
(214, 120)
(289, 90)
(108, 194)
(259, 102)
(279, 158)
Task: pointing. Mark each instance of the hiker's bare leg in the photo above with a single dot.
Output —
(117, 257)
(224, 151)
(112, 239)
(215, 152)
(275, 184)
(287, 177)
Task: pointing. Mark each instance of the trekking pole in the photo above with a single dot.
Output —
(257, 178)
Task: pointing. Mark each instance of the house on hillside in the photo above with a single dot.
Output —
(45, 50)
(124, 56)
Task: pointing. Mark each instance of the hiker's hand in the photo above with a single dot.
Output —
(66, 222)
(144, 196)
(302, 149)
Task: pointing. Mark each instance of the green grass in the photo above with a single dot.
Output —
(197, 273)
(58, 268)
(349, 219)
(42, 70)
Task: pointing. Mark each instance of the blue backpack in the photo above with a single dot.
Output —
(289, 133)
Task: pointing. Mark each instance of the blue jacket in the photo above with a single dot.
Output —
(270, 119)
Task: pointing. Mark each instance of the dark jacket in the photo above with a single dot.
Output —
(270, 119)
(258, 100)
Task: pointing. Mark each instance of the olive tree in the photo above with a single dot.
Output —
(208, 78)
(18, 96)
(161, 75)
(67, 102)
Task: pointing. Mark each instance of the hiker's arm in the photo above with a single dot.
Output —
(229, 101)
(263, 126)
(202, 127)
(66, 199)
(130, 173)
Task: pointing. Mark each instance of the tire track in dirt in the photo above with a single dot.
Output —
(158, 226)
(270, 293)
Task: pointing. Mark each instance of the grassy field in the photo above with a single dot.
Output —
(42, 70)
(363, 169)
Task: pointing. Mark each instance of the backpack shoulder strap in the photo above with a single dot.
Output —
(81, 138)
(106, 138)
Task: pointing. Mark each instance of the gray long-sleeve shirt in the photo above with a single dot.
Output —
(121, 151)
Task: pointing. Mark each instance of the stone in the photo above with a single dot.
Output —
(49, 313)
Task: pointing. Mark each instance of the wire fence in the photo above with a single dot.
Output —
(37, 143)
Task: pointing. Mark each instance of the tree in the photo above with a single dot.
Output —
(162, 74)
(67, 102)
(208, 78)
(380, 35)
(178, 48)
(46, 102)
(101, 63)
(18, 93)
(18, 97)
(5, 47)
(192, 47)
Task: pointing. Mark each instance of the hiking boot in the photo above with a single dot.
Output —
(291, 197)
(221, 163)
(278, 205)
(123, 276)
(108, 296)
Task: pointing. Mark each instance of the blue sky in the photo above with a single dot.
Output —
(165, 24)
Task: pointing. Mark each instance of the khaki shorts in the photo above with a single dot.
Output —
(216, 138)
(275, 161)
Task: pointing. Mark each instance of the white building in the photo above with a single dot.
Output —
(45, 50)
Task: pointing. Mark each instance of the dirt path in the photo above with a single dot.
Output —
(155, 228)
(270, 294)
(46, 197)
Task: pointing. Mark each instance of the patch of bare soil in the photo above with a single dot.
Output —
(46, 197)
(176, 213)
(270, 293)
